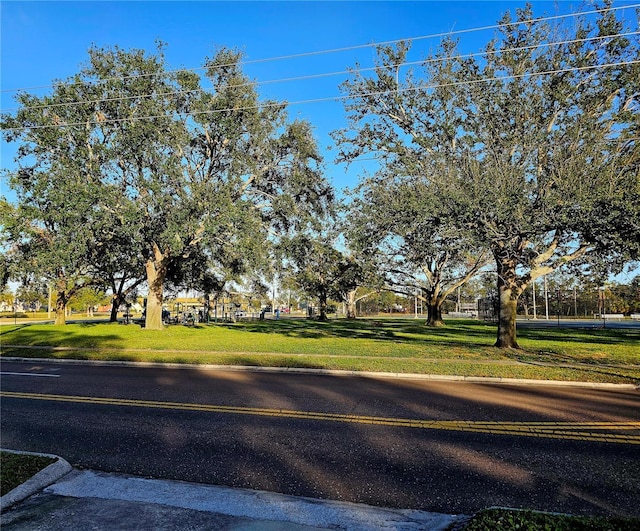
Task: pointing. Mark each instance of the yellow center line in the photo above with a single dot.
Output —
(613, 432)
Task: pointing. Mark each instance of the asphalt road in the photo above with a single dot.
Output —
(579, 323)
(436, 446)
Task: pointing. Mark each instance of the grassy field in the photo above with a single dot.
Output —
(15, 469)
(462, 348)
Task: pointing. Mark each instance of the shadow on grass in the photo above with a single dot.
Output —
(28, 335)
(553, 346)
(396, 330)
(582, 335)
(583, 364)
(548, 343)
(571, 358)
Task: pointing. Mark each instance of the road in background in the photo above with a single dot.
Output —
(437, 446)
(579, 323)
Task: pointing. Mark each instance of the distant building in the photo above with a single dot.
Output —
(469, 308)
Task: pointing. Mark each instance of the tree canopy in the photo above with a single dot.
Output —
(169, 169)
(131, 173)
(414, 239)
(532, 147)
(321, 269)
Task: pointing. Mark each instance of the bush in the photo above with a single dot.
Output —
(508, 520)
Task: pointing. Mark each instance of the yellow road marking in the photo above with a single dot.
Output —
(613, 432)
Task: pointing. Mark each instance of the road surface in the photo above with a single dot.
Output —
(436, 446)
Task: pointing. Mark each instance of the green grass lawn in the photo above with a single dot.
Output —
(514, 520)
(389, 345)
(15, 469)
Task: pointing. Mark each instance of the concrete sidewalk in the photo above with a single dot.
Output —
(86, 499)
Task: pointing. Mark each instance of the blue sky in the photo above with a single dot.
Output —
(47, 41)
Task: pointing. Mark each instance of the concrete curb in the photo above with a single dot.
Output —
(260, 506)
(47, 476)
(333, 372)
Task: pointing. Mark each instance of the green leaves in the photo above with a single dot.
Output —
(128, 165)
(527, 150)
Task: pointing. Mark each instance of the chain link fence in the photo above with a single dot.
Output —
(612, 302)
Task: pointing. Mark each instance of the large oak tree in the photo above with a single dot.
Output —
(322, 270)
(533, 145)
(172, 171)
(414, 240)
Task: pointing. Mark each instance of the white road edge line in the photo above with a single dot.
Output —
(29, 374)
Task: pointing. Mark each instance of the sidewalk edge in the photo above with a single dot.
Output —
(47, 476)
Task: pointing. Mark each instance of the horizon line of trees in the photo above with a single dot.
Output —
(130, 174)
(564, 296)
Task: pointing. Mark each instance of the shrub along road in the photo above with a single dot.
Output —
(437, 446)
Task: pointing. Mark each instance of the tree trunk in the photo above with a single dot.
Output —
(507, 320)
(351, 305)
(508, 293)
(120, 296)
(115, 305)
(156, 272)
(434, 313)
(322, 298)
(61, 309)
(116, 301)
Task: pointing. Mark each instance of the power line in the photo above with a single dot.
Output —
(355, 47)
(334, 98)
(386, 154)
(326, 74)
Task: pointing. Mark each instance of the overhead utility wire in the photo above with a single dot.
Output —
(326, 74)
(355, 47)
(332, 98)
(388, 153)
